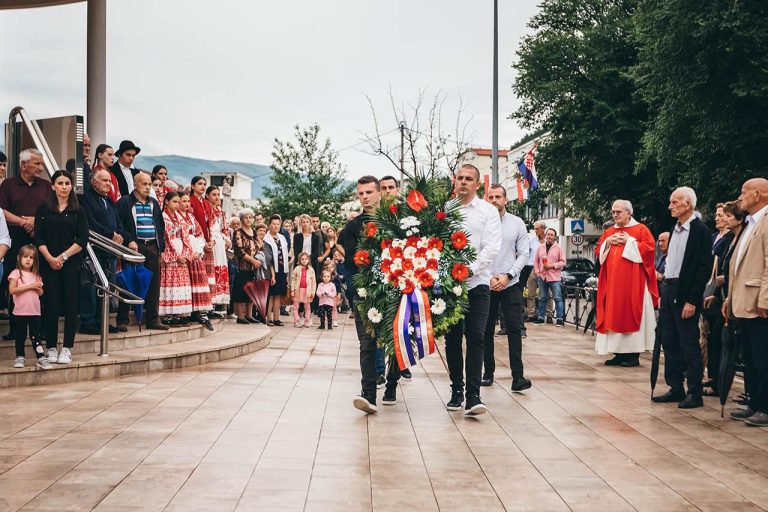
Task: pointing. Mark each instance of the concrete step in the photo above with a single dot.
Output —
(229, 341)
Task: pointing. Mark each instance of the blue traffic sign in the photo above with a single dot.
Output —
(577, 225)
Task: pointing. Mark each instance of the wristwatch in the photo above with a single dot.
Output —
(64, 256)
(510, 276)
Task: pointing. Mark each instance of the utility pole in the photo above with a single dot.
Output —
(495, 147)
(402, 152)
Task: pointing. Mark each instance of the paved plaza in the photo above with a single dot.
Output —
(275, 431)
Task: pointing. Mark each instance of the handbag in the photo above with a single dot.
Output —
(87, 273)
(711, 287)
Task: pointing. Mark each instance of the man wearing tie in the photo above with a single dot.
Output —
(102, 218)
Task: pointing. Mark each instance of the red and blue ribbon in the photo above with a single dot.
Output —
(413, 306)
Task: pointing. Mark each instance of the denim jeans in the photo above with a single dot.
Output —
(557, 294)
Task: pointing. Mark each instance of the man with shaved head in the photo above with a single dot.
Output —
(141, 219)
(747, 301)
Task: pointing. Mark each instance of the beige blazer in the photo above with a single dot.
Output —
(748, 282)
(296, 280)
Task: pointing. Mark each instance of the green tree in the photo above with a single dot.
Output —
(307, 178)
(703, 70)
(574, 81)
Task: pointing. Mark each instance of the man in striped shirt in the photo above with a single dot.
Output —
(142, 220)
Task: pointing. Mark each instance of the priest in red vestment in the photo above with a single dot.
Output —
(627, 292)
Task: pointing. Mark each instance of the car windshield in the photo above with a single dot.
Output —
(579, 266)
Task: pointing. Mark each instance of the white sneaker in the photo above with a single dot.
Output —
(335, 324)
(44, 363)
(53, 355)
(65, 357)
(18, 362)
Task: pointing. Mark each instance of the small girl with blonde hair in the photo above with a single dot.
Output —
(303, 284)
(26, 287)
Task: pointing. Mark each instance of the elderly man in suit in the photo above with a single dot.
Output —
(689, 262)
(747, 299)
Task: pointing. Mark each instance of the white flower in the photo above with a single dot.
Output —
(398, 243)
(374, 315)
(423, 242)
(419, 263)
(457, 290)
(362, 292)
(409, 275)
(409, 222)
(433, 254)
(385, 254)
(434, 274)
(409, 252)
(438, 306)
(396, 264)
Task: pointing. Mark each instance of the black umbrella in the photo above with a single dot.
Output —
(655, 360)
(730, 341)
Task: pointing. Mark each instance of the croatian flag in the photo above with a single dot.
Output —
(528, 170)
(522, 190)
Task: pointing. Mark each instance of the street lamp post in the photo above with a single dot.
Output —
(495, 147)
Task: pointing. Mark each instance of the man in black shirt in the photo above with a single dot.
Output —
(369, 195)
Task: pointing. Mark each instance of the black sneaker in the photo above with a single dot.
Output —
(380, 382)
(89, 329)
(501, 332)
(538, 321)
(520, 384)
(406, 374)
(365, 403)
(457, 398)
(616, 361)
(559, 323)
(474, 406)
(390, 397)
(742, 414)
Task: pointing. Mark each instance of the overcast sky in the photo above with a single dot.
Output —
(221, 79)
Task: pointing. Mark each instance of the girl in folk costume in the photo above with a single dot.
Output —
(220, 235)
(303, 285)
(201, 293)
(203, 213)
(160, 173)
(175, 287)
(103, 161)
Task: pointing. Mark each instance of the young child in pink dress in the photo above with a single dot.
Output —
(303, 284)
(26, 287)
(326, 295)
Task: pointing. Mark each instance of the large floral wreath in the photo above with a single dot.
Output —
(414, 261)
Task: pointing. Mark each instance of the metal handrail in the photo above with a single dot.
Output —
(37, 137)
(110, 246)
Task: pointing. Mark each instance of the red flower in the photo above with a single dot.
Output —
(416, 201)
(412, 240)
(386, 244)
(426, 280)
(432, 264)
(435, 243)
(421, 252)
(440, 215)
(393, 208)
(460, 272)
(395, 275)
(371, 229)
(396, 252)
(407, 264)
(459, 240)
(386, 265)
(409, 287)
(362, 258)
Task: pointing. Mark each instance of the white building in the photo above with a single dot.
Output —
(481, 158)
(241, 185)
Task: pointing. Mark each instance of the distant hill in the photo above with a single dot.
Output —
(183, 168)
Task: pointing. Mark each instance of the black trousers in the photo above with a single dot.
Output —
(714, 342)
(522, 282)
(326, 315)
(152, 300)
(509, 301)
(680, 340)
(368, 362)
(61, 295)
(31, 325)
(472, 327)
(754, 335)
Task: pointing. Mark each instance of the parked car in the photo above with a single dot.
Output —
(576, 272)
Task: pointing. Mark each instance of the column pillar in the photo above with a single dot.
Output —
(96, 117)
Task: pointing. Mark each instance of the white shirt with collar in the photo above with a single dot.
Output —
(128, 175)
(513, 255)
(5, 237)
(752, 221)
(533, 246)
(481, 221)
(676, 252)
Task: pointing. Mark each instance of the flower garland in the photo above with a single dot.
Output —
(413, 262)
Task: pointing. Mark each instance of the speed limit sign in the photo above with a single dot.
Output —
(577, 239)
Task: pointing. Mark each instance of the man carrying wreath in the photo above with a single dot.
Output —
(481, 222)
(369, 196)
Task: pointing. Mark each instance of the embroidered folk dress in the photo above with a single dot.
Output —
(175, 287)
(201, 292)
(219, 230)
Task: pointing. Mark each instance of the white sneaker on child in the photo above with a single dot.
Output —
(335, 324)
(65, 357)
(18, 362)
(53, 355)
(44, 363)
